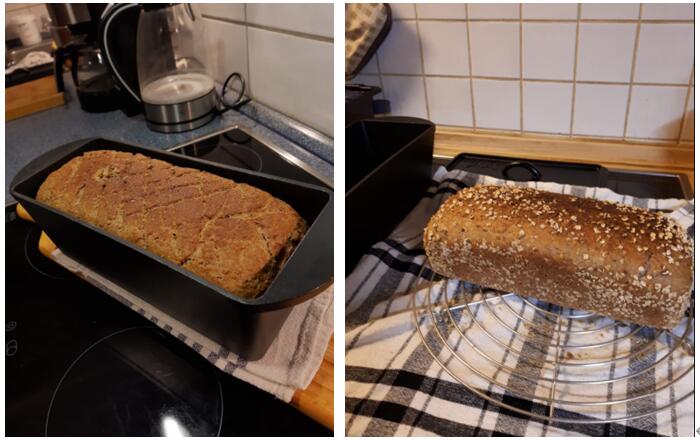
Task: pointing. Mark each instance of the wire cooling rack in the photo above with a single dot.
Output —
(573, 366)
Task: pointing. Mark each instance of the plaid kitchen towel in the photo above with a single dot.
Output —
(402, 378)
(290, 363)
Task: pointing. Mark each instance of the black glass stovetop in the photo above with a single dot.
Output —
(79, 363)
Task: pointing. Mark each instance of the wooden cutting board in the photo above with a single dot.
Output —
(316, 401)
(32, 97)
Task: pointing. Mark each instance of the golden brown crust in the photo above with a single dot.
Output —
(231, 234)
(621, 261)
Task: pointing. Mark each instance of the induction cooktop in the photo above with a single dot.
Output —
(79, 363)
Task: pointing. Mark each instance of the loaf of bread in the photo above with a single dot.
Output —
(627, 263)
(231, 234)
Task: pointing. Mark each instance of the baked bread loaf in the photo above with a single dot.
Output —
(624, 262)
(231, 234)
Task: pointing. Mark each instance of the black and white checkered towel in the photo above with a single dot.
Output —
(395, 386)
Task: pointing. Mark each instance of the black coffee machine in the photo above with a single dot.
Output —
(75, 29)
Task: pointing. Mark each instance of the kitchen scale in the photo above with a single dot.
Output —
(81, 364)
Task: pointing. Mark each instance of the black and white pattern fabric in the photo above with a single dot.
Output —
(412, 347)
(289, 364)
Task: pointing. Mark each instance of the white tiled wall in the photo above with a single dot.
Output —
(285, 52)
(619, 71)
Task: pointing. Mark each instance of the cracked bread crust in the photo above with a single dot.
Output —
(231, 234)
(624, 262)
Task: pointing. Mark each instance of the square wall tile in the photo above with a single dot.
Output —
(402, 10)
(368, 79)
(664, 122)
(371, 66)
(15, 6)
(547, 107)
(688, 132)
(226, 48)
(449, 101)
(294, 76)
(600, 110)
(665, 53)
(494, 11)
(441, 10)
(497, 104)
(668, 11)
(605, 51)
(495, 49)
(39, 11)
(549, 50)
(309, 18)
(565, 11)
(444, 47)
(406, 95)
(610, 11)
(227, 11)
(399, 53)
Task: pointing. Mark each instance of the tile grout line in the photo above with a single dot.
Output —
(515, 20)
(576, 136)
(632, 71)
(302, 35)
(529, 79)
(422, 63)
(685, 105)
(379, 74)
(247, 49)
(573, 88)
(522, 47)
(469, 59)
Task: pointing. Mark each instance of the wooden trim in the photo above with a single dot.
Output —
(316, 401)
(451, 141)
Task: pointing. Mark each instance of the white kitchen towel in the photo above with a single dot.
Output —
(396, 387)
(32, 59)
(289, 364)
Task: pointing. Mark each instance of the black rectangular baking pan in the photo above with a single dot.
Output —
(643, 184)
(511, 168)
(244, 326)
(388, 167)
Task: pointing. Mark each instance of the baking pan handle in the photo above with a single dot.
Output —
(39, 163)
(310, 268)
(535, 174)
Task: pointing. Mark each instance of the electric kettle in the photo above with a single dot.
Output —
(162, 66)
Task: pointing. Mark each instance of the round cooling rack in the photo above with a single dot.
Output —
(566, 365)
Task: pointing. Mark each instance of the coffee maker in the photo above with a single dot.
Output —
(74, 28)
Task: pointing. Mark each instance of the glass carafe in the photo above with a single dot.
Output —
(155, 53)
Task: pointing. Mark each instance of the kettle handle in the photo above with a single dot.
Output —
(108, 24)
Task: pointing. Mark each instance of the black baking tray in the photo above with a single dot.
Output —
(388, 167)
(643, 184)
(244, 326)
(512, 168)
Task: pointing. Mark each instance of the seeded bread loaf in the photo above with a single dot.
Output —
(624, 262)
(231, 234)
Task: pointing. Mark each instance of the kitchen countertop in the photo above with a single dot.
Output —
(30, 136)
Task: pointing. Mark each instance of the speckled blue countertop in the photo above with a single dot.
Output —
(30, 136)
